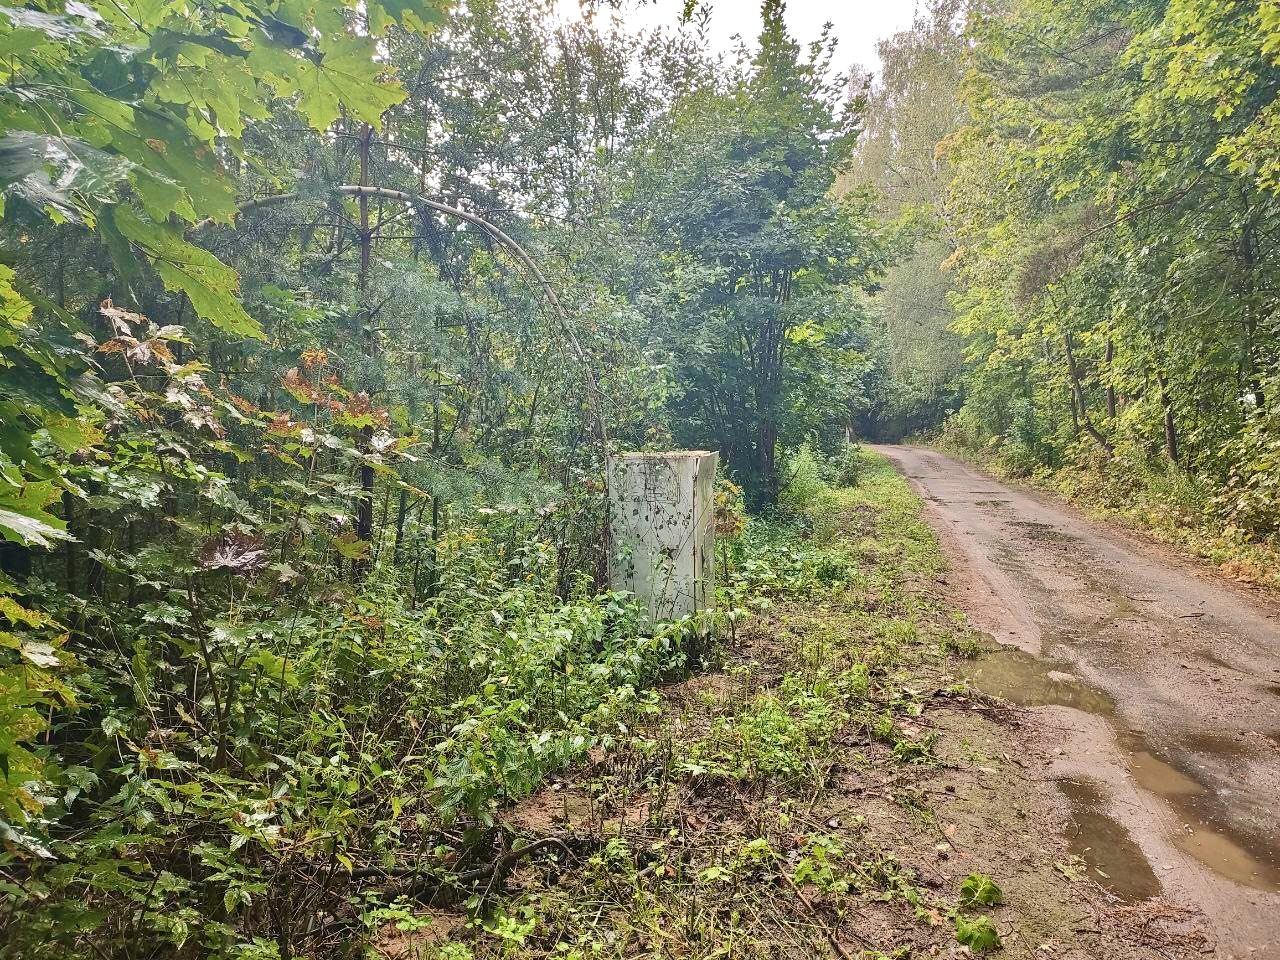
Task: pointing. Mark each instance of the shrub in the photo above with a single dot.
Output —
(807, 496)
(848, 467)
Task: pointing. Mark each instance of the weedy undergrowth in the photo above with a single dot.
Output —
(740, 839)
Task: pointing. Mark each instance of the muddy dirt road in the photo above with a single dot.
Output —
(1154, 691)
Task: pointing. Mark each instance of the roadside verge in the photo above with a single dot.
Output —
(832, 789)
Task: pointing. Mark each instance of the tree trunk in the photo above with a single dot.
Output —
(766, 458)
(433, 583)
(1252, 361)
(15, 560)
(364, 504)
(402, 507)
(69, 515)
(1111, 387)
(1078, 392)
(402, 510)
(769, 358)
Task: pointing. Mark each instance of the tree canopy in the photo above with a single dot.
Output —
(1114, 295)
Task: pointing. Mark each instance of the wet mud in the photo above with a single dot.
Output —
(1207, 833)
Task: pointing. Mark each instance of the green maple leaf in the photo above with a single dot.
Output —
(15, 310)
(418, 15)
(160, 196)
(224, 87)
(70, 433)
(165, 150)
(21, 528)
(151, 13)
(23, 518)
(346, 76)
(211, 286)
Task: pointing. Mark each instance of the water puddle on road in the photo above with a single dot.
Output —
(1154, 774)
(1113, 858)
(1028, 681)
(1206, 830)
(1227, 858)
(1215, 744)
(1111, 852)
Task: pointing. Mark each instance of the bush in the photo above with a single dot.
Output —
(804, 482)
(340, 730)
(807, 495)
(1250, 499)
(848, 467)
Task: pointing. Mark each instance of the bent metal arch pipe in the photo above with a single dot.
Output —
(500, 236)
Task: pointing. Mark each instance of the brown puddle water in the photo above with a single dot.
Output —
(1022, 678)
(1207, 832)
(1215, 744)
(1114, 859)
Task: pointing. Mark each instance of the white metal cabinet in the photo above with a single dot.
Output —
(662, 524)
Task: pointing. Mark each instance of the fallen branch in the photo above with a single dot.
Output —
(423, 883)
(521, 255)
(836, 945)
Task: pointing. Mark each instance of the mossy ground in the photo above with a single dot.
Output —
(826, 792)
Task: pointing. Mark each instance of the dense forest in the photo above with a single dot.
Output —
(1091, 188)
(319, 319)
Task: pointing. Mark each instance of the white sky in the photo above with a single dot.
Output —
(858, 23)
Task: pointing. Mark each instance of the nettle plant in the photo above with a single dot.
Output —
(122, 125)
(213, 714)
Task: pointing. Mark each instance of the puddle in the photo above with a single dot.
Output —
(1206, 829)
(1115, 860)
(1204, 834)
(1155, 775)
(1207, 832)
(1224, 856)
(1028, 681)
(1215, 744)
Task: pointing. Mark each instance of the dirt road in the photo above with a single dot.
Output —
(1154, 690)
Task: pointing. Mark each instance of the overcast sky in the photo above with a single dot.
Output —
(858, 23)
